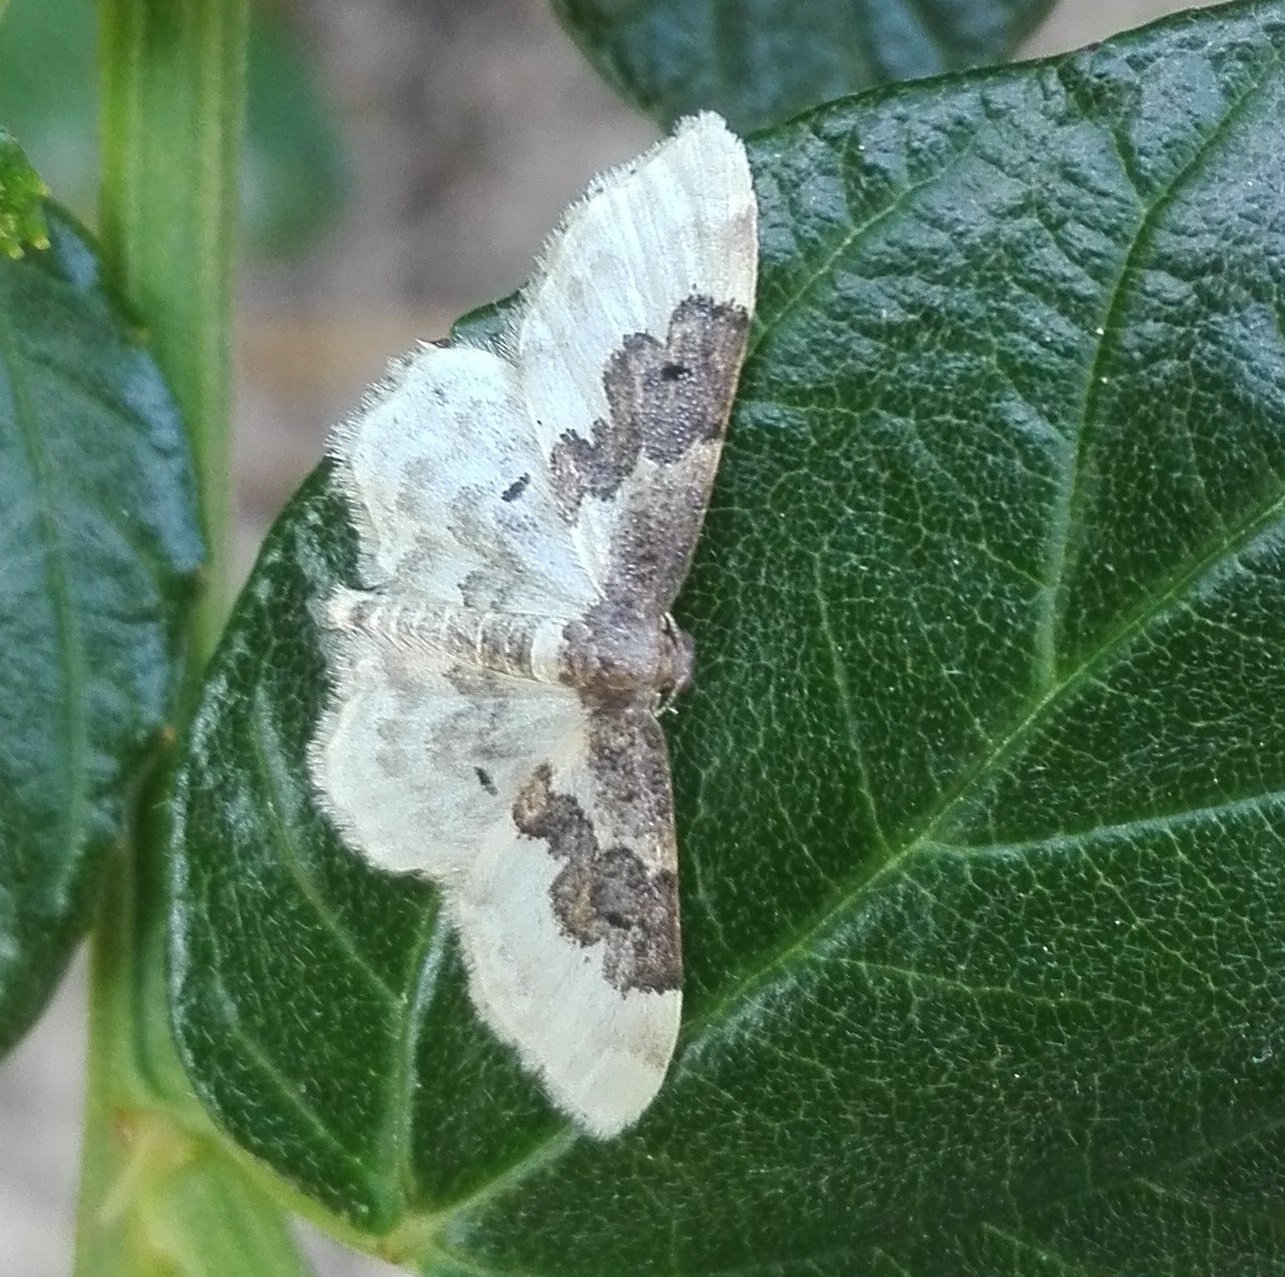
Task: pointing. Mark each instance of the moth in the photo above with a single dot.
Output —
(525, 516)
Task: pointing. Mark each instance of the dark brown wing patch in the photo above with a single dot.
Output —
(662, 397)
(605, 894)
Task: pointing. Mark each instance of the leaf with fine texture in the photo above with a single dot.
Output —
(99, 543)
(981, 788)
(759, 62)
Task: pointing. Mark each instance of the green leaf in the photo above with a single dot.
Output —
(22, 221)
(294, 174)
(99, 545)
(761, 61)
(981, 787)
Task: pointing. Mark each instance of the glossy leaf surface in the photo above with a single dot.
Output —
(981, 786)
(99, 543)
(758, 62)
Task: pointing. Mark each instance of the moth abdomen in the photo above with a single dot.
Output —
(516, 644)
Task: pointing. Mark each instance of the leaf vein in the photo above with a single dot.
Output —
(273, 800)
(1022, 1244)
(1161, 822)
(395, 1138)
(849, 711)
(1071, 496)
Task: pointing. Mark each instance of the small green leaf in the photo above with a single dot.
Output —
(981, 787)
(22, 194)
(761, 61)
(99, 545)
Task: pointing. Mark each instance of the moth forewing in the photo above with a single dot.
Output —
(526, 516)
(630, 346)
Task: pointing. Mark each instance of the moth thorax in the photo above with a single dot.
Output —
(614, 652)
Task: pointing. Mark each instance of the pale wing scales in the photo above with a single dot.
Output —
(417, 774)
(600, 1054)
(629, 347)
(591, 1003)
(450, 492)
(565, 964)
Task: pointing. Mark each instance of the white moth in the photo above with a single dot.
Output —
(525, 519)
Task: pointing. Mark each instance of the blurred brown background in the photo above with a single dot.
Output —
(469, 127)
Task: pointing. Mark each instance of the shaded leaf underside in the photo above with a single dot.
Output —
(980, 787)
(761, 61)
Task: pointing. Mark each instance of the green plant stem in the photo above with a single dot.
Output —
(173, 92)
(158, 1192)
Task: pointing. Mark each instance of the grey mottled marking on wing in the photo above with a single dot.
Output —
(654, 455)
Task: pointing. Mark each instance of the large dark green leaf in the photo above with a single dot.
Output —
(99, 545)
(294, 175)
(761, 61)
(981, 787)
